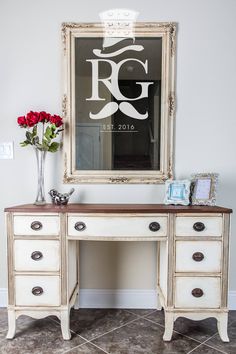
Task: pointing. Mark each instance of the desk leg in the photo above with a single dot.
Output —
(222, 323)
(11, 324)
(169, 325)
(159, 305)
(65, 324)
(76, 304)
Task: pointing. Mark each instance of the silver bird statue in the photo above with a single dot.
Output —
(59, 198)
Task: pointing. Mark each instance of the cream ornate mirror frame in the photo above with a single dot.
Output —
(110, 162)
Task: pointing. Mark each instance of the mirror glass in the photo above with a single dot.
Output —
(117, 103)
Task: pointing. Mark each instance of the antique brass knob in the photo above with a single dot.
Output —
(154, 226)
(198, 226)
(80, 226)
(37, 291)
(36, 225)
(197, 292)
(198, 256)
(36, 255)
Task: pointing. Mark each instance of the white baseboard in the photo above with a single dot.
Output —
(232, 300)
(3, 297)
(118, 298)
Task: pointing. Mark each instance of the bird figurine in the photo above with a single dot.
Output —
(59, 198)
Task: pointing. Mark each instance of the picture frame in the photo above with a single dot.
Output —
(204, 188)
(177, 192)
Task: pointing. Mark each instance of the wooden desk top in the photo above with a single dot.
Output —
(116, 208)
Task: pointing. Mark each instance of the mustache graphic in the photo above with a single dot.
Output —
(130, 111)
(112, 107)
(109, 109)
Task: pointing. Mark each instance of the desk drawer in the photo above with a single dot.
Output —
(198, 226)
(198, 256)
(197, 292)
(36, 255)
(37, 290)
(117, 226)
(36, 225)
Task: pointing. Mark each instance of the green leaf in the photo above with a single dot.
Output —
(47, 139)
(24, 143)
(45, 145)
(53, 127)
(46, 142)
(28, 135)
(54, 147)
(39, 146)
(35, 140)
(34, 132)
(48, 133)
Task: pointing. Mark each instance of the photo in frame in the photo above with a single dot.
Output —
(177, 192)
(203, 188)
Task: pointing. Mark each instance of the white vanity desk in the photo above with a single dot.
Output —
(43, 251)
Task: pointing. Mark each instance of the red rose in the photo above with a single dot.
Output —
(21, 121)
(57, 120)
(32, 118)
(44, 117)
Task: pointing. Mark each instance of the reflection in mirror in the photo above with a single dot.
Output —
(128, 139)
(118, 104)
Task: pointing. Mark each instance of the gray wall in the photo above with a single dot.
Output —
(30, 65)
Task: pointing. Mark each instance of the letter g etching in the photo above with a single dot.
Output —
(112, 84)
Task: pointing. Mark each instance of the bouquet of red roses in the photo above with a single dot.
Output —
(41, 139)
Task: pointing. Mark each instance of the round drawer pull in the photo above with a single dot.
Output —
(80, 226)
(198, 256)
(36, 225)
(199, 226)
(36, 255)
(197, 292)
(37, 291)
(154, 226)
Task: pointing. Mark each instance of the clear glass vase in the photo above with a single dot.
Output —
(40, 156)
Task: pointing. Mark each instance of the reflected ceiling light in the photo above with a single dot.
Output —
(118, 24)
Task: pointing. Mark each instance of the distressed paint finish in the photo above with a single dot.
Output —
(61, 284)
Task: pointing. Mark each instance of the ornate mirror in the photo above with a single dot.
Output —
(118, 103)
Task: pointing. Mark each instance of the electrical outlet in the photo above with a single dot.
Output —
(6, 150)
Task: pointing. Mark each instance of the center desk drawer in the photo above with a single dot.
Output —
(36, 255)
(36, 225)
(198, 226)
(117, 226)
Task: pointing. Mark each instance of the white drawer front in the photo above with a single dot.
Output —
(36, 255)
(198, 256)
(185, 226)
(208, 285)
(36, 225)
(50, 286)
(113, 226)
